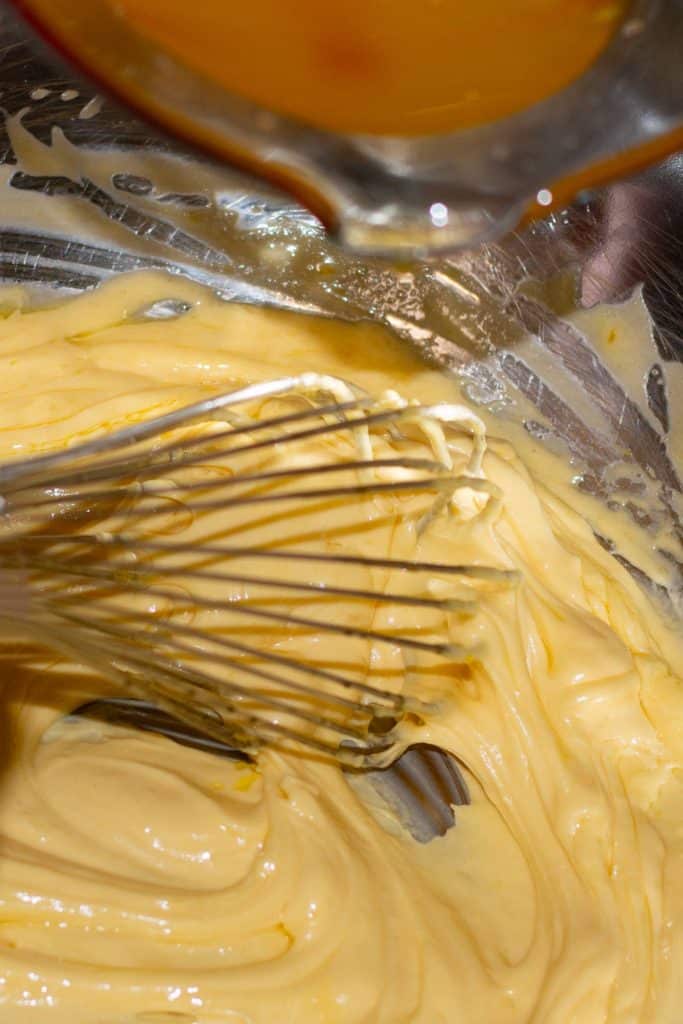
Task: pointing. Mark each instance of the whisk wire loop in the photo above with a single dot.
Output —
(198, 626)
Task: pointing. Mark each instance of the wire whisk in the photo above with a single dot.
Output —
(222, 560)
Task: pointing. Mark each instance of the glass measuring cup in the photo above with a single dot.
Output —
(400, 195)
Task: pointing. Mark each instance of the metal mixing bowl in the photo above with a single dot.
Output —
(87, 192)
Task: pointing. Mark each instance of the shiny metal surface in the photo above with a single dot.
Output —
(395, 195)
(146, 717)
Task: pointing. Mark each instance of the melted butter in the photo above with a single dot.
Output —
(408, 67)
(140, 879)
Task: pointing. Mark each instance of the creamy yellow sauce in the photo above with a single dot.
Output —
(142, 882)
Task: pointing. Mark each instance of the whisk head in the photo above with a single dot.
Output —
(224, 560)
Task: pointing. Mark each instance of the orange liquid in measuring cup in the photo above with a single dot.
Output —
(406, 67)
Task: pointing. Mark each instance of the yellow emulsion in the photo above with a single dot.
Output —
(139, 878)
